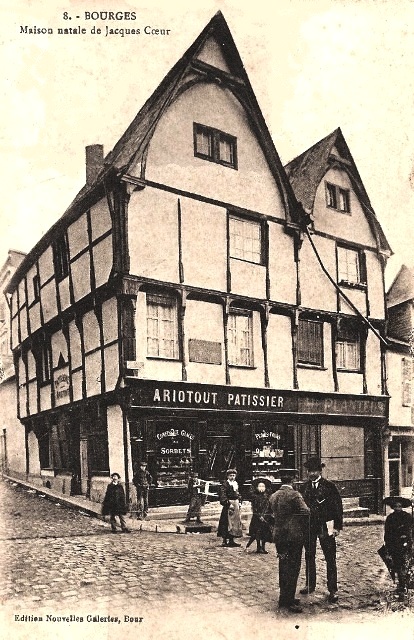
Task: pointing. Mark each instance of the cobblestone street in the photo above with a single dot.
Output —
(57, 561)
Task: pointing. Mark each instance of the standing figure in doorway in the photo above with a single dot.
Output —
(142, 481)
(197, 499)
(262, 518)
(291, 522)
(326, 520)
(398, 539)
(229, 526)
(114, 504)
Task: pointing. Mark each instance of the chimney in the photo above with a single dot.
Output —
(94, 162)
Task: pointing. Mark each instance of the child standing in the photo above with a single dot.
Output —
(262, 518)
(398, 538)
(197, 500)
(114, 504)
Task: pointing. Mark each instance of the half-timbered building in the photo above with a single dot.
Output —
(181, 310)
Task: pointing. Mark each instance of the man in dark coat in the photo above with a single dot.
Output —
(229, 526)
(398, 538)
(114, 504)
(142, 481)
(326, 521)
(291, 517)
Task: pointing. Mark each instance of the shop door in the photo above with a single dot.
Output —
(394, 466)
(221, 455)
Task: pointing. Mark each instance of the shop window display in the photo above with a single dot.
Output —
(175, 456)
(267, 454)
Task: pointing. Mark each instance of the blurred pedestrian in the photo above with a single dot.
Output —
(142, 480)
(197, 499)
(114, 504)
(230, 526)
(326, 521)
(291, 521)
(398, 539)
(262, 518)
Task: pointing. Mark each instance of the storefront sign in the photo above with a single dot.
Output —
(62, 386)
(155, 394)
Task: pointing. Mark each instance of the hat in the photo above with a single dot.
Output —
(391, 501)
(229, 471)
(289, 473)
(143, 462)
(266, 482)
(115, 474)
(314, 464)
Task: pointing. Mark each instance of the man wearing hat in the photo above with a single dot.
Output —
(229, 526)
(326, 521)
(291, 522)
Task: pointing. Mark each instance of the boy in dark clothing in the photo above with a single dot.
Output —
(114, 504)
(398, 538)
(142, 480)
(262, 518)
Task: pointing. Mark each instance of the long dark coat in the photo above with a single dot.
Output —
(262, 518)
(398, 537)
(325, 504)
(114, 502)
(226, 493)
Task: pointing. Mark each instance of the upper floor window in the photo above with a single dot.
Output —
(245, 239)
(36, 287)
(214, 145)
(240, 337)
(348, 346)
(162, 326)
(41, 353)
(61, 258)
(310, 342)
(351, 266)
(338, 198)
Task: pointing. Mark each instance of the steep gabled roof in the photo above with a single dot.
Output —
(402, 289)
(306, 171)
(132, 145)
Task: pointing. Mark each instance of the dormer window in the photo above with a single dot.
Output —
(338, 198)
(215, 146)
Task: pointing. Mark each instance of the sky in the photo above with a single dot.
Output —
(314, 65)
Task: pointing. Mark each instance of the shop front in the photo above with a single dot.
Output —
(179, 427)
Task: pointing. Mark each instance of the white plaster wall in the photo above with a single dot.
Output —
(34, 314)
(100, 219)
(103, 261)
(116, 441)
(248, 279)
(350, 382)
(110, 320)
(64, 293)
(33, 448)
(279, 349)
(77, 378)
(373, 366)
(32, 397)
(46, 268)
(399, 415)
(15, 435)
(358, 299)
(93, 369)
(153, 235)
(282, 267)
(45, 398)
(317, 291)
(204, 321)
(111, 367)
(75, 345)
(78, 235)
(171, 158)
(81, 270)
(49, 301)
(204, 244)
(375, 285)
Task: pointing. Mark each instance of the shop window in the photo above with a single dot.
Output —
(308, 444)
(268, 450)
(215, 146)
(162, 326)
(175, 451)
(348, 346)
(60, 447)
(43, 439)
(240, 337)
(310, 342)
(338, 198)
(36, 288)
(245, 239)
(61, 258)
(351, 266)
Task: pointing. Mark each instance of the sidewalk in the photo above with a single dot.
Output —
(161, 519)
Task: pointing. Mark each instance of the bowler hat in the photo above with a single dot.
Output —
(229, 471)
(314, 464)
(391, 501)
